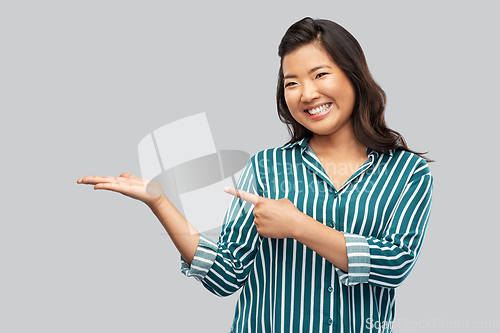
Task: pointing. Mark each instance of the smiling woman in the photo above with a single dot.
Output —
(335, 219)
(321, 230)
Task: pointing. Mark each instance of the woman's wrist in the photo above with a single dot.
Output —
(299, 224)
(158, 204)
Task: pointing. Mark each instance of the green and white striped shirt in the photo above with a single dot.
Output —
(383, 210)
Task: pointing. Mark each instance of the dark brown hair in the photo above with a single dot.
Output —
(368, 112)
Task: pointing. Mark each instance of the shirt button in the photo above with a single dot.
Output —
(330, 321)
(330, 289)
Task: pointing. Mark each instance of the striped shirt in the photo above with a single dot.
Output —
(382, 210)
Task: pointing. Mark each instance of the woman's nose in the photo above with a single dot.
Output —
(309, 93)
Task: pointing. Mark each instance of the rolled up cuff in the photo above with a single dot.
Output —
(358, 256)
(203, 259)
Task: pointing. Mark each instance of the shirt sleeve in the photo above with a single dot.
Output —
(224, 266)
(203, 259)
(387, 261)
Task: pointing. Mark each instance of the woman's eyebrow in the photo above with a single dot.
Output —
(310, 72)
(318, 67)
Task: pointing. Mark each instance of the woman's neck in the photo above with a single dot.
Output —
(339, 146)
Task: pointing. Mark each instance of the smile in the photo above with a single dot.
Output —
(318, 111)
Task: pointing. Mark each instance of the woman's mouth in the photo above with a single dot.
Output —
(319, 111)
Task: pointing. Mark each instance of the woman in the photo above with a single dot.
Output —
(323, 229)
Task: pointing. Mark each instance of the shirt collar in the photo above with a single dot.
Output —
(303, 144)
(376, 153)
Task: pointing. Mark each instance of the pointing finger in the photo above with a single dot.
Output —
(248, 197)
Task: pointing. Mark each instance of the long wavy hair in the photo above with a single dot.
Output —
(368, 113)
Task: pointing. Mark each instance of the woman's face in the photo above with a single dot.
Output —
(318, 94)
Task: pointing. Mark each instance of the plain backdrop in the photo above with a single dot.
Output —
(82, 82)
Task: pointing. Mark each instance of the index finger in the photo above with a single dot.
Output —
(248, 197)
(92, 180)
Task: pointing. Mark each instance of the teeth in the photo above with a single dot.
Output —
(319, 109)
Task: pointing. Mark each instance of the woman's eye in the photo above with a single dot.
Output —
(289, 84)
(320, 75)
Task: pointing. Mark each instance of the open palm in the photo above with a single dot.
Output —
(127, 184)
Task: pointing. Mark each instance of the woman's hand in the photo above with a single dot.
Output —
(127, 184)
(273, 218)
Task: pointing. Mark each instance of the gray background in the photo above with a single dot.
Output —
(83, 82)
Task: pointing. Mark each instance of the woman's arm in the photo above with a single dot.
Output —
(385, 261)
(222, 267)
(392, 255)
(184, 236)
(281, 219)
(325, 241)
